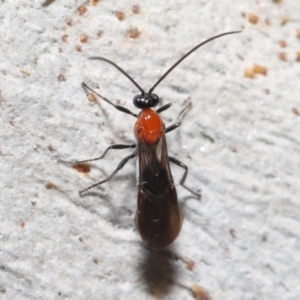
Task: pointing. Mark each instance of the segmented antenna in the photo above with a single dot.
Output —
(185, 56)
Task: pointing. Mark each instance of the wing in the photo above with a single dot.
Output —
(158, 217)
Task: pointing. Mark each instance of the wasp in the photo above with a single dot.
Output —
(158, 217)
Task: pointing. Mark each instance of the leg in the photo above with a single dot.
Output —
(176, 125)
(184, 110)
(182, 165)
(172, 127)
(117, 146)
(120, 166)
(118, 107)
(164, 107)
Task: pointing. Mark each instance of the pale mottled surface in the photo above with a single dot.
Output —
(241, 141)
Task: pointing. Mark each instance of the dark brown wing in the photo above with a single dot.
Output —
(158, 217)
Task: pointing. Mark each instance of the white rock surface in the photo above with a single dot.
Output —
(240, 140)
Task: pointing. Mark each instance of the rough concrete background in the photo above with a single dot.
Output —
(240, 140)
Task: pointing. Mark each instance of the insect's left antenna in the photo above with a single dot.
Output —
(121, 70)
(186, 55)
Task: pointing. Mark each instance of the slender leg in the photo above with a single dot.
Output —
(172, 127)
(182, 165)
(164, 107)
(117, 146)
(118, 107)
(180, 116)
(120, 166)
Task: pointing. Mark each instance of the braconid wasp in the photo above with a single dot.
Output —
(158, 217)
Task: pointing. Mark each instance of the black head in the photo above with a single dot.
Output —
(145, 100)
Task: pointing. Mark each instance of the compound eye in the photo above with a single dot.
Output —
(139, 101)
(154, 100)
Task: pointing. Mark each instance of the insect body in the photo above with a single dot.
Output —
(158, 217)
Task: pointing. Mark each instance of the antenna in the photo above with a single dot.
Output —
(121, 70)
(169, 70)
(185, 56)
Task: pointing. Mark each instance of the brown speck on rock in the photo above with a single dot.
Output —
(95, 261)
(189, 264)
(136, 9)
(200, 293)
(70, 23)
(95, 2)
(259, 69)
(82, 10)
(248, 73)
(100, 33)
(298, 56)
(252, 18)
(61, 77)
(65, 38)
(91, 97)
(22, 224)
(78, 48)
(256, 69)
(84, 38)
(232, 233)
(82, 168)
(298, 33)
(134, 33)
(25, 72)
(282, 56)
(51, 149)
(264, 238)
(50, 186)
(120, 15)
(296, 111)
(268, 22)
(282, 43)
(284, 20)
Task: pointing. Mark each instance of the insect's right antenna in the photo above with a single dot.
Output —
(121, 70)
(185, 56)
